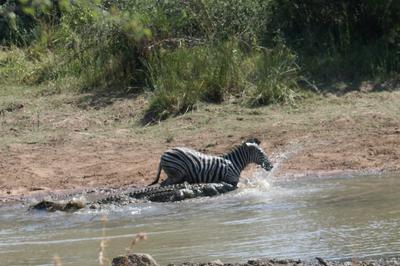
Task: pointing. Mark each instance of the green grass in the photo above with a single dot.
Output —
(180, 54)
(273, 77)
(14, 65)
(182, 78)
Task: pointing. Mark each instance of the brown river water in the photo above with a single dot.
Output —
(334, 217)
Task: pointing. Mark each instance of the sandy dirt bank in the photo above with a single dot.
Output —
(56, 143)
(146, 259)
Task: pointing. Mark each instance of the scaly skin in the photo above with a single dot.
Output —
(176, 192)
(170, 193)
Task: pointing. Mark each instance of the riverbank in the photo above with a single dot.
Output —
(146, 259)
(72, 141)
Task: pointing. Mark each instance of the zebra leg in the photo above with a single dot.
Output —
(231, 178)
(166, 182)
(173, 177)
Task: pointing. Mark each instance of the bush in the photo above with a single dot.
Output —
(342, 39)
(182, 78)
(101, 49)
(19, 19)
(14, 64)
(107, 51)
(274, 76)
(183, 52)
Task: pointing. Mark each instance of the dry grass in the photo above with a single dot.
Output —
(57, 260)
(72, 141)
(29, 118)
(138, 237)
(102, 259)
(103, 243)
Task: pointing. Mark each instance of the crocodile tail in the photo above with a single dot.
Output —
(158, 175)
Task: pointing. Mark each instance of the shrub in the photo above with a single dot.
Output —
(183, 52)
(343, 39)
(181, 78)
(13, 64)
(273, 76)
(101, 49)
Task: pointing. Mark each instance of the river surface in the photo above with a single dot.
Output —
(337, 217)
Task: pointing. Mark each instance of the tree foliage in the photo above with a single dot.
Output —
(185, 51)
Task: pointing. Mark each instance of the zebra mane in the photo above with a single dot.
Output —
(234, 148)
(237, 147)
(253, 140)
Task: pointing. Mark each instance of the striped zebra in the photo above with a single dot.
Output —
(183, 164)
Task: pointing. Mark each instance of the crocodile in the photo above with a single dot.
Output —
(178, 192)
(169, 193)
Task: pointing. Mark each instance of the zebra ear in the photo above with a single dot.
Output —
(253, 140)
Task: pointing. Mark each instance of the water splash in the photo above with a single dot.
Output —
(259, 181)
(278, 161)
(263, 180)
(282, 156)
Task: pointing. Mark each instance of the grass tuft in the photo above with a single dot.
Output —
(274, 77)
(103, 243)
(188, 75)
(57, 260)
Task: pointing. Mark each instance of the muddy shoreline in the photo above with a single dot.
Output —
(98, 193)
(75, 150)
(147, 260)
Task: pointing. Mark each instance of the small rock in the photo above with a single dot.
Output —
(134, 260)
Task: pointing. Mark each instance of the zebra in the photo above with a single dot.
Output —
(187, 165)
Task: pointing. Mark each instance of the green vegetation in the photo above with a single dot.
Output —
(183, 52)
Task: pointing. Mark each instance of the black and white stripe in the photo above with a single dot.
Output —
(183, 164)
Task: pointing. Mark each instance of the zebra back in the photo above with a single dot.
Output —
(194, 166)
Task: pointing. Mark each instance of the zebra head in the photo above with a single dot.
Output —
(257, 154)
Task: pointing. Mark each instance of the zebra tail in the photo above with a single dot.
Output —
(158, 176)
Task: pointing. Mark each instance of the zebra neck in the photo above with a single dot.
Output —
(239, 158)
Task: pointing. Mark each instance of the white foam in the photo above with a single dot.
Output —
(258, 181)
(282, 156)
(262, 181)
